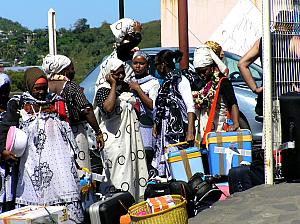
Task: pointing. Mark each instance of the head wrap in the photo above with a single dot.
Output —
(54, 64)
(142, 54)
(204, 56)
(216, 47)
(41, 80)
(4, 80)
(121, 28)
(31, 76)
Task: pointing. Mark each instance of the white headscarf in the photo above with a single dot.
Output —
(4, 79)
(121, 28)
(204, 56)
(54, 64)
(111, 63)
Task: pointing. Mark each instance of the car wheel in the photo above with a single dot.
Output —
(243, 123)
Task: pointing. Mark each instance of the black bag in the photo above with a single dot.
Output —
(205, 191)
(156, 190)
(257, 167)
(110, 210)
(182, 188)
(239, 179)
(259, 104)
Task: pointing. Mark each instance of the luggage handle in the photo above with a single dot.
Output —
(121, 203)
(181, 143)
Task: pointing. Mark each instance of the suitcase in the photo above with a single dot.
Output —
(109, 210)
(227, 150)
(188, 160)
(239, 179)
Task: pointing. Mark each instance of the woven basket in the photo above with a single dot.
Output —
(174, 215)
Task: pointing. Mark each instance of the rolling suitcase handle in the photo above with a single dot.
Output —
(182, 143)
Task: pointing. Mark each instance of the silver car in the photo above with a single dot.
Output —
(246, 99)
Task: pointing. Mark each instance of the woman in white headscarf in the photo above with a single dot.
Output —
(127, 34)
(210, 68)
(123, 153)
(60, 72)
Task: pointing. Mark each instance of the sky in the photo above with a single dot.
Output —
(33, 13)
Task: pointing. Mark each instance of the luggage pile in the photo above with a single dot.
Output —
(195, 186)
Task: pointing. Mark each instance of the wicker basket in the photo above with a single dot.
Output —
(174, 215)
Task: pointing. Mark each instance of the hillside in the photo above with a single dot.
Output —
(84, 45)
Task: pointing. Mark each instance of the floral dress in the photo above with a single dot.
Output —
(47, 173)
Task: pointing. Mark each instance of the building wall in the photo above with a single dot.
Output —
(204, 19)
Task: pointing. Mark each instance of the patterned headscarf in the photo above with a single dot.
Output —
(142, 54)
(54, 64)
(204, 56)
(216, 47)
(121, 28)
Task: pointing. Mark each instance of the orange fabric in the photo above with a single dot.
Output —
(212, 112)
(125, 219)
(158, 203)
(41, 80)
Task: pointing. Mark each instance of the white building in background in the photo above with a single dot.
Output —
(235, 24)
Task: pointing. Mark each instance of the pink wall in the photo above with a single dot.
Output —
(205, 16)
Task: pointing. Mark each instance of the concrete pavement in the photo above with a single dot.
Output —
(262, 204)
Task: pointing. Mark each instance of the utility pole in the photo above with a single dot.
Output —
(52, 31)
(267, 89)
(183, 33)
(121, 9)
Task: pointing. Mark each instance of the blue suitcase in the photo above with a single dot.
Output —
(228, 149)
(184, 163)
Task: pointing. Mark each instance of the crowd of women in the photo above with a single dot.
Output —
(133, 115)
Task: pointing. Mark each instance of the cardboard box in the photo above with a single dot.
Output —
(228, 149)
(34, 214)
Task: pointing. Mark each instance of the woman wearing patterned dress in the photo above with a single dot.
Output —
(47, 172)
(174, 108)
(123, 153)
(60, 70)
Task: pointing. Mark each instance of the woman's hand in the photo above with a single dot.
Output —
(110, 79)
(100, 140)
(134, 86)
(137, 27)
(190, 136)
(154, 130)
(234, 127)
(9, 157)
